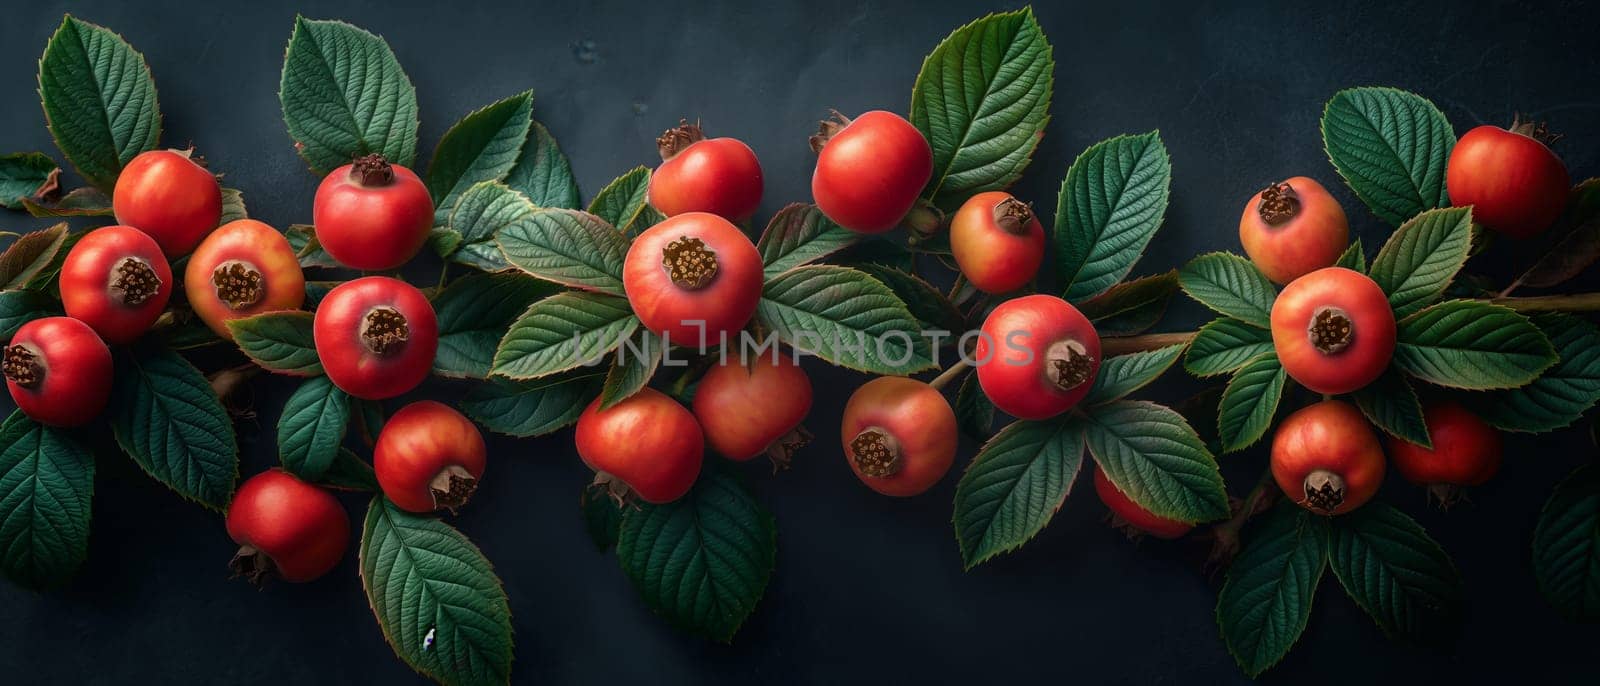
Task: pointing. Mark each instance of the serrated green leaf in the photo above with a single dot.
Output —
(344, 95)
(444, 241)
(99, 100)
(876, 250)
(46, 483)
(1472, 345)
(974, 410)
(479, 215)
(1396, 573)
(474, 312)
(349, 473)
(1124, 374)
(1224, 345)
(20, 307)
(80, 202)
(1422, 257)
(436, 597)
(561, 332)
(165, 415)
(1131, 296)
(1266, 597)
(30, 255)
(280, 342)
(532, 408)
(568, 247)
(1013, 487)
(602, 516)
(1110, 206)
(542, 173)
(636, 361)
(1230, 285)
(233, 208)
(1391, 146)
(26, 175)
(1566, 546)
(845, 317)
(311, 428)
(1391, 403)
(1250, 401)
(1579, 247)
(798, 235)
(1354, 257)
(623, 203)
(930, 306)
(1562, 393)
(303, 238)
(483, 146)
(1152, 455)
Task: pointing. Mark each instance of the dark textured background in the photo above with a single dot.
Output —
(866, 588)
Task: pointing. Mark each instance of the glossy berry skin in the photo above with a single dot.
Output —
(694, 267)
(697, 174)
(1466, 450)
(116, 280)
(1333, 330)
(376, 337)
(1327, 459)
(166, 195)
(870, 170)
(648, 442)
(428, 457)
(300, 529)
(1293, 228)
(372, 215)
(1135, 516)
(754, 409)
(899, 435)
(1515, 185)
(997, 241)
(1037, 357)
(243, 268)
(58, 371)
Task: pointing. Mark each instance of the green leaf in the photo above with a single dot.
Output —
(1266, 597)
(974, 410)
(932, 309)
(1395, 572)
(1559, 396)
(30, 255)
(1110, 206)
(1580, 243)
(636, 361)
(1013, 487)
(623, 203)
(1391, 146)
(311, 428)
(1422, 257)
(1125, 374)
(799, 235)
(474, 311)
(20, 307)
(303, 238)
(46, 481)
(1566, 546)
(561, 332)
(445, 241)
(81, 202)
(982, 100)
(1152, 455)
(280, 342)
(480, 214)
(1224, 345)
(165, 415)
(542, 173)
(1131, 296)
(1472, 345)
(845, 317)
(99, 100)
(1250, 401)
(436, 597)
(483, 146)
(532, 408)
(1231, 285)
(703, 561)
(344, 95)
(568, 247)
(1354, 257)
(349, 473)
(1391, 403)
(233, 208)
(26, 175)
(602, 516)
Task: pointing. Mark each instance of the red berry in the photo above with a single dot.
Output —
(756, 409)
(1334, 330)
(243, 268)
(717, 175)
(870, 170)
(1514, 184)
(285, 527)
(428, 457)
(166, 195)
(376, 337)
(372, 215)
(116, 280)
(1326, 458)
(648, 442)
(1037, 357)
(1466, 452)
(899, 435)
(1131, 514)
(1293, 228)
(58, 371)
(692, 275)
(997, 242)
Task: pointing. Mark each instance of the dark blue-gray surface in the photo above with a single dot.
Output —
(867, 588)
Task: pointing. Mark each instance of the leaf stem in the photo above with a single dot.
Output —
(954, 372)
(1225, 544)
(955, 289)
(1568, 302)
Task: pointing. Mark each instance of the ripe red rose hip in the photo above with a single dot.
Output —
(694, 274)
(376, 337)
(371, 214)
(58, 371)
(1293, 228)
(698, 174)
(166, 195)
(1513, 182)
(754, 409)
(243, 268)
(870, 170)
(1037, 356)
(647, 445)
(116, 280)
(286, 528)
(1132, 515)
(1466, 452)
(428, 457)
(899, 435)
(1327, 459)
(1333, 330)
(997, 241)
